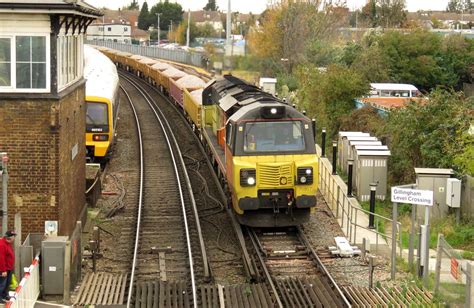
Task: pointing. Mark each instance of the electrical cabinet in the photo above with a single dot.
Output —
(453, 193)
(52, 256)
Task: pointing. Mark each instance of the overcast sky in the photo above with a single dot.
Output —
(257, 6)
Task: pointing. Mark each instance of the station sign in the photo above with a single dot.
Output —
(412, 196)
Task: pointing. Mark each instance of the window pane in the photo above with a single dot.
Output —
(23, 48)
(38, 50)
(5, 55)
(5, 75)
(96, 114)
(38, 75)
(23, 75)
(284, 136)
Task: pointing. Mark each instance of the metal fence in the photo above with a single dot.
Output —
(453, 279)
(175, 55)
(350, 215)
(28, 290)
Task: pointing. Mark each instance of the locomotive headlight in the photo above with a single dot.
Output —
(248, 177)
(305, 175)
(273, 111)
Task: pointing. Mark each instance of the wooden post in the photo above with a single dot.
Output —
(371, 271)
(17, 244)
(469, 284)
(439, 251)
(67, 273)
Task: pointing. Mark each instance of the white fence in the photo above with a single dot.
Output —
(348, 212)
(28, 289)
(175, 55)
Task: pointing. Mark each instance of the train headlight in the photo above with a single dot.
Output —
(305, 175)
(96, 137)
(248, 177)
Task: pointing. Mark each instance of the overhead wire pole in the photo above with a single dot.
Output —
(158, 27)
(188, 30)
(228, 29)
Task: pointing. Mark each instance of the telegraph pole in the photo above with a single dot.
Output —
(158, 26)
(229, 29)
(189, 26)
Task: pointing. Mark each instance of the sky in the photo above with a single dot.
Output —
(257, 6)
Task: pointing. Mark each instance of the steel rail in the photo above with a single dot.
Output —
(248, 264)
(178, 180)
(137, 235)
(257, 247)
(321, 266)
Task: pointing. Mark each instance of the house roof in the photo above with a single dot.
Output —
(119, 16)
(50, 6)
(442, 16)
(203, 16)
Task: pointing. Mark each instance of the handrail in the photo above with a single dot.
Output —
(347, 209)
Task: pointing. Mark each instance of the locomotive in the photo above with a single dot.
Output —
(262, 148)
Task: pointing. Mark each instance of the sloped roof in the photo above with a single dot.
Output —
(78, 6)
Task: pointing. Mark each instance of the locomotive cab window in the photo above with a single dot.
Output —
(228, 136)
(97, 116)
(281, 136)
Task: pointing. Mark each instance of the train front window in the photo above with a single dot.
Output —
(96, 114)
(281, 136)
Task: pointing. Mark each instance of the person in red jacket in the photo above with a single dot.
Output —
(7, 264)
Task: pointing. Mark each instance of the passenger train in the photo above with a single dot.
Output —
(262, 148)
(102, 84)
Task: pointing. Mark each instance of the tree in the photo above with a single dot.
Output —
(143, 17)
(384, 13)
(211, 6)
(460, 6)
(288, 30)
(431, 135)
(134, 5)
(329, 95)
(169, 12)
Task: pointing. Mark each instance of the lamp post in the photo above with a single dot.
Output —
(158, 26)
(170, 30)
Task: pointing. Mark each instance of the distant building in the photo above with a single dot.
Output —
(446, 19)
(118, 26)
(201, 18)
(110, 32)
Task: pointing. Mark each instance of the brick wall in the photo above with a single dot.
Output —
(44, 182)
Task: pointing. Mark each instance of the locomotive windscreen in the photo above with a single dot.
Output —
(97, 117)
(278, 136)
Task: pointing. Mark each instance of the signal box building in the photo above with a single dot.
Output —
(42, 109)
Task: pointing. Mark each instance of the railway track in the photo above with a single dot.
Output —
(293, 275)
(168, 241)
(293, 270)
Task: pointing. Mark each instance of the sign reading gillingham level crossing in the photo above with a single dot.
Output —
(412, 196)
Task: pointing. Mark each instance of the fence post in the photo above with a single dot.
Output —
(394, 239)
(334, 157)
(371, 271)
(67, 273)
(323, 142)
(438, 262)
(373, 189)
(469, 284)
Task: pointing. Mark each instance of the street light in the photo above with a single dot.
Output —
(170, 30)
(158, 26)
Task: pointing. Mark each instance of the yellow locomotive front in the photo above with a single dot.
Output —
(274, 166)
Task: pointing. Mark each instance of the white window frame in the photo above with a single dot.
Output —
(12, 88)
(70, 59)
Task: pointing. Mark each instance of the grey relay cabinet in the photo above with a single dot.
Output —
(52, 256)
(434, 179)
(371, 168)
(342, 144)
